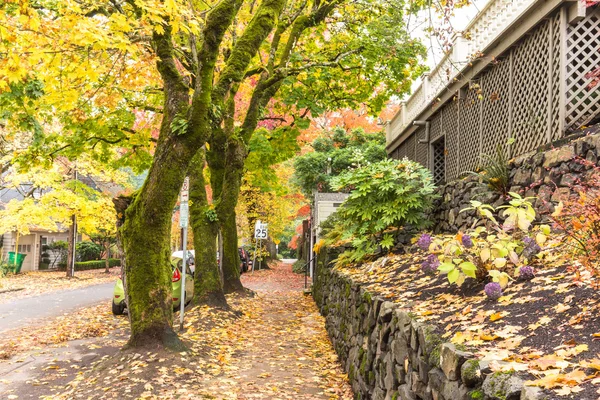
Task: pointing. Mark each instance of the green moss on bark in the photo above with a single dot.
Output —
(208, 287)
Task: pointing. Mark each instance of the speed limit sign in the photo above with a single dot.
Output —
(260, 231)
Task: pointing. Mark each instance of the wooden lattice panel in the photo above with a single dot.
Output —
(530, 90)
(583, 56)
(410, 147)
(450, 129)
(402, 151)
(469, 131)
(557, 126)
(495, 84)
(421, 154)
(439, 161)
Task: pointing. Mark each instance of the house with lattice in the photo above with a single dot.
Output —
(519, 73)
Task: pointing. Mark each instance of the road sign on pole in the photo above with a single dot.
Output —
(183, 222)
(260, 230)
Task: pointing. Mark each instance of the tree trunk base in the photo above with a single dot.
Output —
(163, 337)
(215, 300)
(233, 286)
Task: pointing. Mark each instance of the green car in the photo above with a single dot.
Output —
(118, 301)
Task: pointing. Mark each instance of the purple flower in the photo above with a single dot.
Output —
(424, 241)
(531, 248)
(467, 241)
(430, 265)
(493, 290)
(526, 272)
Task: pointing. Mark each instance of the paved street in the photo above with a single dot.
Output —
(21, 312)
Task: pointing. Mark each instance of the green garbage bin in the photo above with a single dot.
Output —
(16, 267)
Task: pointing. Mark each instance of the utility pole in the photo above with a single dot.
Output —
(72, 238)
(183, 223)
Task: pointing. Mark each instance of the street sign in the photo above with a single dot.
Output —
(184, 215)
(185, 190)
(260, 231)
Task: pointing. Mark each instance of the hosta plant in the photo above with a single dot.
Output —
(496, 252)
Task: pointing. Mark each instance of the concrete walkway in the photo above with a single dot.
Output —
(21, 312)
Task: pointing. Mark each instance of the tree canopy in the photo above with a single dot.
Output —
(333, 153)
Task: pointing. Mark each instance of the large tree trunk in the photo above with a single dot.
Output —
(231, 257)
(208, 287)
(236, 154)
(145, 234)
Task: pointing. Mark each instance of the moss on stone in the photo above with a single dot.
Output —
(367, 297)
(351, 372)
(395, 396)
(434, 356)
(476, 394)
(363, 366)
(498, 381)
(371, 377)
(470, 371)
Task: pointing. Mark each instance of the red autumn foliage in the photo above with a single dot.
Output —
(579, 220)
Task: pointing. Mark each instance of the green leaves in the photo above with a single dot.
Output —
(383, 195)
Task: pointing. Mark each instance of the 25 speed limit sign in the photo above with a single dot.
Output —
(260, 231)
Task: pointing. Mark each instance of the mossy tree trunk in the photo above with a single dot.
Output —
(235, 140)
(208, 287)
(145, 230)
(230, 191)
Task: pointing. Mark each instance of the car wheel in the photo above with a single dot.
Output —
(118, 309)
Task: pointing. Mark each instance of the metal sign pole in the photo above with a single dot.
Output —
(260, 259)
(183, 222)
(255, 248)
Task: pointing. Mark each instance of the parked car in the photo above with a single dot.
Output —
(245, 261)
(118, 302)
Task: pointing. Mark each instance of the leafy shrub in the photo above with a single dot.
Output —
(383, 196)
(60, 250)
(96, 264)
(495, 171)
(88, 251)
(579, 221)
(299, 267)
(496, 252)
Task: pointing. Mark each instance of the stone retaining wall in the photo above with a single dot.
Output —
(388, 355)
(551, 174)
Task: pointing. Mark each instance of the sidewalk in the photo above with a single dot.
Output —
(271, 346)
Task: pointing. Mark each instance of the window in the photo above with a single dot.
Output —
(336, 205)
(24, 248)
(439, 160)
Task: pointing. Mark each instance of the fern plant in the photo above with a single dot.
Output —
(494, 171)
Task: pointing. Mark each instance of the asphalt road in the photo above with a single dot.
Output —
(26, 311)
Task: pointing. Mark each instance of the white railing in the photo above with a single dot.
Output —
(488, 25)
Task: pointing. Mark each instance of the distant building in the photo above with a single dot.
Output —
(325, 204)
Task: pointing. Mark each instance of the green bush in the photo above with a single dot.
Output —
(88, 251)
(385, 197)
(299, 267)
(95, 264)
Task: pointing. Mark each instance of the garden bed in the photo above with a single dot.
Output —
(546, 329)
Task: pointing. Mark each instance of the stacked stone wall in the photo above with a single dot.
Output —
(550, 174)
(388, 355)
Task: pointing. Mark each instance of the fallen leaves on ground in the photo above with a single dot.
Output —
(95, 321)
(15, 286)
(269, 346)
(544, 327)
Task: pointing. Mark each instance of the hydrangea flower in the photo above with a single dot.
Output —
(493, 290)
(424, 241)
(531, 248)
(467, 241)
(527, 272)
(430, 265)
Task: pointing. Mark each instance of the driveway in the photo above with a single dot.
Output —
(21, 312)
